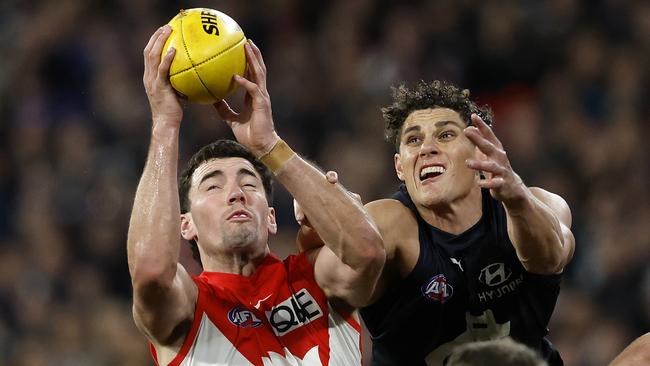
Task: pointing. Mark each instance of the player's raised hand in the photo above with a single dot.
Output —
(253, 125)
(163, 101)
(504, 184)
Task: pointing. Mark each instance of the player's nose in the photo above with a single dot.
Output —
(429, 147)
(236, 194)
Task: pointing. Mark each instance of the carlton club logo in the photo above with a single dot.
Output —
(437, 289)
(495, 274)
(243, 317)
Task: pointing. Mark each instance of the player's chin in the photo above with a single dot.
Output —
(430, 196)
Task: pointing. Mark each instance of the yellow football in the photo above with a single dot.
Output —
(209, 52)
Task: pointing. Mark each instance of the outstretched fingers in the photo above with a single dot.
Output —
(225, 112)
(256, 67)
(487, 166)
(258, 55)
(252, 89)
(165, 64)
(492, 183)
(152, 51)
(149, 69)
(151, 42)
(485, 130)
(478, 139)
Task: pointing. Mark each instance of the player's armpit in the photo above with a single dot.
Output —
(341, 283)
(160, 310)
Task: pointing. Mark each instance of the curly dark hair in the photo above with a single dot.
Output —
(438, 94)
(216, 150)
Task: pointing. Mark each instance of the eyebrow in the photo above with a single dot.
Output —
(444, 123)
(244, 171)
(212, 174)
(219, 173)
(438, 124)
(412, 128)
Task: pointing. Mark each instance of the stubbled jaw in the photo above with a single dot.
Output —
(431, 172)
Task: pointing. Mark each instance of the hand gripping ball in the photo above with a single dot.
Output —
(209, 52)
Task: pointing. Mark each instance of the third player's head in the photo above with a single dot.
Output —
(426, 125)
(225, 195)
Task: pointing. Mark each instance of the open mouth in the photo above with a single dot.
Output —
(431, 172)
(239, 215)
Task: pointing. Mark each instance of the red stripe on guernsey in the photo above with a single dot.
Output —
(279, 307)
(152, 349)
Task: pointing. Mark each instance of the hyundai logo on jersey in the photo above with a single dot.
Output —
(437, 289)
(495, 274)
(243, 317)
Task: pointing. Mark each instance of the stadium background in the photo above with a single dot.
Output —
(567, 79)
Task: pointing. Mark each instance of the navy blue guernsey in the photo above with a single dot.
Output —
(463, 288)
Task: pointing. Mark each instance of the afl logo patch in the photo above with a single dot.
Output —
(243, 317)
(495, 274)
(437, 289)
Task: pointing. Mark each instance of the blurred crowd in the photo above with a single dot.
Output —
(568, 82)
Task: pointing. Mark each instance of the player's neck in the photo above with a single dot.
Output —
(238, 261)
(457, 216)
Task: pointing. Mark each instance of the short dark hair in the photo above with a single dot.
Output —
(438, 94)
(216, 150)
(503, 352)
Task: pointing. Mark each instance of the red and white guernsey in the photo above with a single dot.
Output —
(277, 316)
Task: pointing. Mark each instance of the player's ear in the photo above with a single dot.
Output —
(398, 166)
(271, 224)
(188, 230)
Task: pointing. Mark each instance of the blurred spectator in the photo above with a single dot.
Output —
(74, 117)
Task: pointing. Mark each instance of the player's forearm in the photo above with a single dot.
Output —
(153, 240)
(536, 234)
(339, 219)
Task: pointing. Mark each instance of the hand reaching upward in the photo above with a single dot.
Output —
(253, 125)
(163, 100)
(504, 184)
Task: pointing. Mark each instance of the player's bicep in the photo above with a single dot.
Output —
(162, 312)
(561, 209)
(555, 203)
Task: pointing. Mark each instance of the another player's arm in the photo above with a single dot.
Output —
(163, 293)
(399, 231)
(539, 222)
(396, 226)
(307, 238)
(348, 266)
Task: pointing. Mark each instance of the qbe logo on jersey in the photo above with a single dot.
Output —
(437, 289)
(294, 312)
